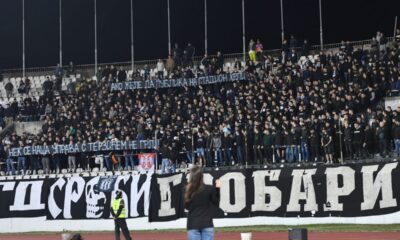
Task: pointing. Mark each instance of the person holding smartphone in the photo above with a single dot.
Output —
(200, 201)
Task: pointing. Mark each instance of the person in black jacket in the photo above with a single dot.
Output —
(315, 145)
(347, 134)
(304, 138)
(358, 140)
(396, 137)
(305, 49)
(227, 144)
(382, 139)
(268, 141)
(257, 145)
(200, 146)
(166, 158)
(288, 142)
(9, 87)
(280, 151)
(208, 150)
(369, 141)
(200, 201)
(238, 143)
(327, 144)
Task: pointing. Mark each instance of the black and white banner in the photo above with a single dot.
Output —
(180, 82)
(75, 197)
(111, 145)
(90, 198)
(23, 198)
(346, 191)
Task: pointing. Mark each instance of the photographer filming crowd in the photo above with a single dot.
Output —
(289, 109)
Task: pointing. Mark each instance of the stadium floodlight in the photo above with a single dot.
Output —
(132, 49)
(244, 31)
(23, 39)
(95, 37)
(60, 28)
(205, 28)
(321, 33)
(282, 24)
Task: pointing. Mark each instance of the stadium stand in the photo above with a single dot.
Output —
(295, 107)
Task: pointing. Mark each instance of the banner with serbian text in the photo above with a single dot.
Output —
(179, 82)
(105, 146)
(322, 191)
(356, 190)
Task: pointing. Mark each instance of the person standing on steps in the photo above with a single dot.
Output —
(118, 211)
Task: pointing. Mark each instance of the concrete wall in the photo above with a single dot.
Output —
(392, 102)
(40, 224)
(28, 127)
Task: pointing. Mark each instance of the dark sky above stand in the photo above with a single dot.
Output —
(343, 20)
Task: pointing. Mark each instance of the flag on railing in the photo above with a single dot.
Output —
(146, 162)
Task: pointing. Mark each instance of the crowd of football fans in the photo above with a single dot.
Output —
(290, 109)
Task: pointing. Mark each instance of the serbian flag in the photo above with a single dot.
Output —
(146, 162)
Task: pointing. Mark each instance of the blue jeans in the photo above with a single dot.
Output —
(140, 137)
(189, 156)
(304, 152)
(218, 158)
(107, 162)
(295, 152)
(200, 152)
(36, 162)
(166, 167)
(239, 155)
(289, 154)
(56, 159)
(21, 163)
(227, 156)
(10, 166)
(129, 161)
(397, 146)
(201, 234)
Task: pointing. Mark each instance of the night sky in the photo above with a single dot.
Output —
(343, 19)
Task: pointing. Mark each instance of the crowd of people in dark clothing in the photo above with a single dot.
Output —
(286, 111)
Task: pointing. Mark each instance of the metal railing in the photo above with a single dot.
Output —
(88, 69)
